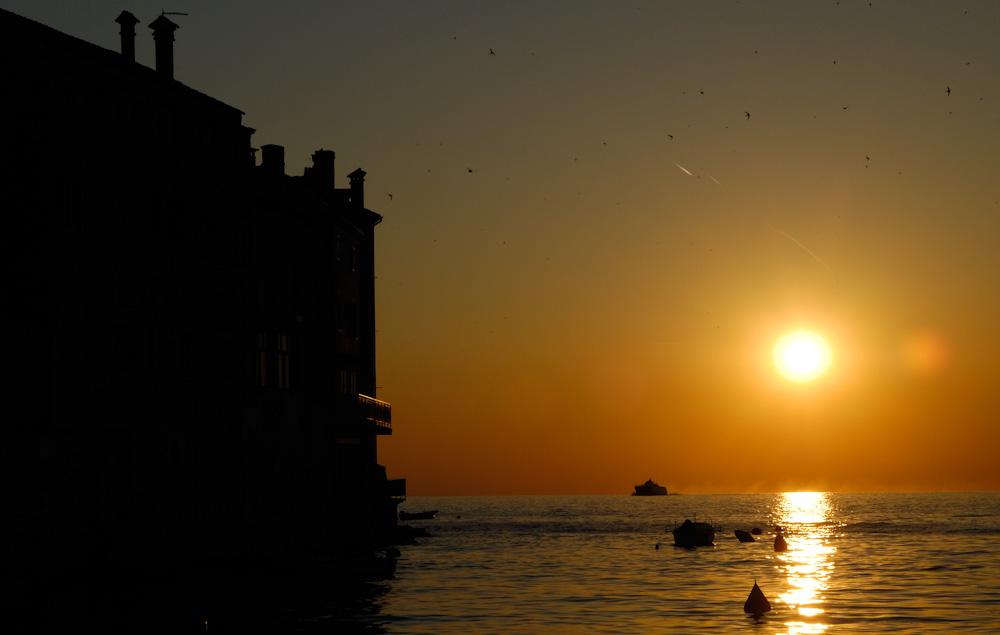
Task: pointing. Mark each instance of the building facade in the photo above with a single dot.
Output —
(193, 333)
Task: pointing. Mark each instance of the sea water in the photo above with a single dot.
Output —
(856, 563)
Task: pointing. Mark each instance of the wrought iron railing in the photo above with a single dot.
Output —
(376, 413)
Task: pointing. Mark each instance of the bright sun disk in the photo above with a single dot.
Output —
(802, 356)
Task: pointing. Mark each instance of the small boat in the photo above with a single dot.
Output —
(649, 488)
(744, 536)
(418, 515)
(694, 534)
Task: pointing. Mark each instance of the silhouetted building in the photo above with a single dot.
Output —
(192, 336)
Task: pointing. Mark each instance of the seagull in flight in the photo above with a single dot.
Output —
(947, 90)
(491, 52)
(747, 114)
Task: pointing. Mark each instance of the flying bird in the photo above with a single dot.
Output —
(747, 114)
(491, 52)
(389, 195)
(947, 90)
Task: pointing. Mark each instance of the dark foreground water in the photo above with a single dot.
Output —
(856, 563)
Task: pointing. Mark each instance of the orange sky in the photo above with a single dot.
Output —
(595, 303)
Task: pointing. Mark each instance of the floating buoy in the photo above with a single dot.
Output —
(756, 603)
(780, 544)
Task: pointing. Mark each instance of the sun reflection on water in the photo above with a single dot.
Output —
(808, 562)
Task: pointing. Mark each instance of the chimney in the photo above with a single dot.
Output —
(358, 187)
(321, 174)
(163, 34)
(272, 159)
(322, 167)
(128, 22)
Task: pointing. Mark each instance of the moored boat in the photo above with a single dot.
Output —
(694, 534)
(417, 515)
(744, 536)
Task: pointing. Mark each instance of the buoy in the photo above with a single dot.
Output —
(756, 603)
(780, 544)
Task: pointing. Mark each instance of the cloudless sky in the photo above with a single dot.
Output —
(590, 248)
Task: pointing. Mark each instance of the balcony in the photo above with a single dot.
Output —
(376, 413)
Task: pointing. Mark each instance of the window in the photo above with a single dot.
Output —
(348, 382)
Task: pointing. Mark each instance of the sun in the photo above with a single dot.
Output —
(802, 356)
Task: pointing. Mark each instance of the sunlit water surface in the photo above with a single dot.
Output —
(856, 563)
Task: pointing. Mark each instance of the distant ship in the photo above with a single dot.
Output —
(649, 488)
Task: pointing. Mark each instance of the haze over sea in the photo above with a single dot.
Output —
(857, 563)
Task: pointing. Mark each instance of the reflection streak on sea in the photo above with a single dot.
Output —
(809, 561)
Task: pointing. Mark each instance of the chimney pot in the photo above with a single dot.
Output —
(127, 22)
(358, 187)
(163, 34)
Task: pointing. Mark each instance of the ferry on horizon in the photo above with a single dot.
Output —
(649, 488)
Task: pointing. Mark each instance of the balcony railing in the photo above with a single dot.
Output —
(376, 413)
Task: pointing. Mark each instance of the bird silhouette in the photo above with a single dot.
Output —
(947, 90)
(491, 52)
(747, 114)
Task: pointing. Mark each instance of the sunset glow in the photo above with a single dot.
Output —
(589, 250)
